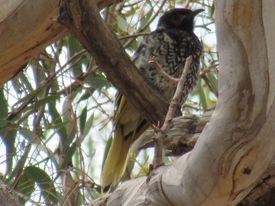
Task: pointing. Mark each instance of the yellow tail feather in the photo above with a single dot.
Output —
(114, 165)
(129, 125)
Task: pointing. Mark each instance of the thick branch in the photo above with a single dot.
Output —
(26, 28)
(237, 145)
(185, 130)
(83, 20)
(7, 196)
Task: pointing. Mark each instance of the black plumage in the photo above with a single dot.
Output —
(171, 43)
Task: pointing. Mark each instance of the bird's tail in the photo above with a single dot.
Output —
(128, 127)
(115, 162)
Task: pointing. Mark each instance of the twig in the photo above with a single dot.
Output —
(170, 114)
(134, 35)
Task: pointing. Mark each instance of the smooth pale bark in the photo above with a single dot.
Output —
(237, 145)
(7, 7)
(27, 27)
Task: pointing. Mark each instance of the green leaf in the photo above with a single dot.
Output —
(8, 137)
(21, 163)
(27, 134)
(3, 105)
(57, 121)
(27, 98)
(69, 152)
(7, 131)
(74, 48)
(213, 81)
(88, 126)
(212, 9)
(144, 21)
(106, 151)
(69, 138)
(87, 94)
(73, 45)
(25, 187)
(82, 119)
(47, 99)
(97, 81)
(45, 183)
(3, 123)
(24, 80)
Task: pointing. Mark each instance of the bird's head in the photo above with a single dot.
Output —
(178, 18)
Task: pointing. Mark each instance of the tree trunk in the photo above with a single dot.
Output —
(237, 145)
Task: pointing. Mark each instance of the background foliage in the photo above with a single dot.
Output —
(56, 114)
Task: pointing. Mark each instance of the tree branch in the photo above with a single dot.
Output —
(7, 195)
(174, 105)
(26, 31)
(237, 145)
(81, 18)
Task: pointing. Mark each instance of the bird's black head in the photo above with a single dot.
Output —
(182, 19)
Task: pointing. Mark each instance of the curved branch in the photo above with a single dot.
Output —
(237, 145)
(83, 20)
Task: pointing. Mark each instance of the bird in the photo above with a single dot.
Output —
(170, 44)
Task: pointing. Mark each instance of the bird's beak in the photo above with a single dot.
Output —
(196, 12)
